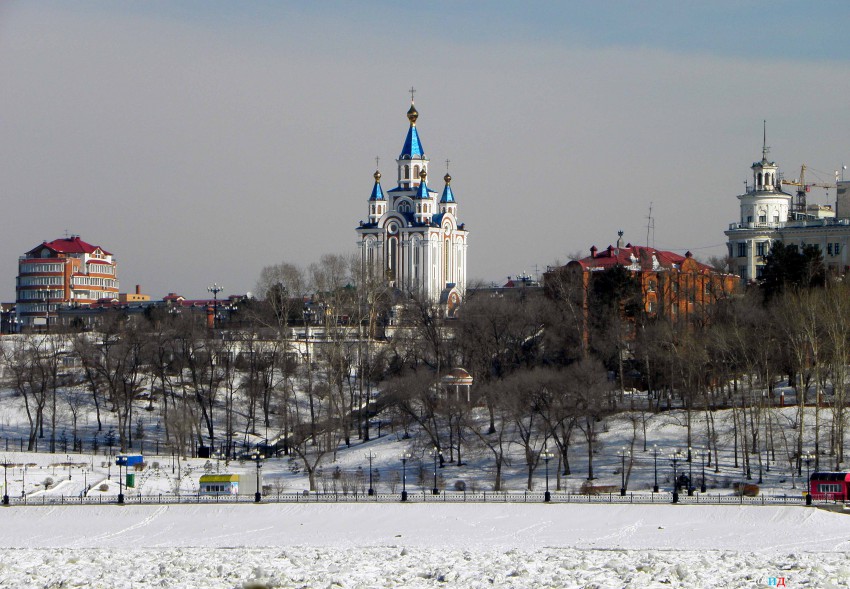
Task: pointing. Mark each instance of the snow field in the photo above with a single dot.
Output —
(420, 545)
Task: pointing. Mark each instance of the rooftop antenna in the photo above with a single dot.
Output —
(764, 148)
(650, 225)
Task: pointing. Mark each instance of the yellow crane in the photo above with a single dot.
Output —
(802, 188)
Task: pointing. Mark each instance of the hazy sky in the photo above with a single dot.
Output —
(200, 141)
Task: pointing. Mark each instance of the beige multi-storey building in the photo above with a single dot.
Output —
(769, 214)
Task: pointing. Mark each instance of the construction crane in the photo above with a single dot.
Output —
(802, 188)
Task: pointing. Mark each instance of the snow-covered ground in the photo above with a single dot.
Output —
(421, 545)
(431, 544)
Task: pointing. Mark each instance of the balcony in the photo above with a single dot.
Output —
(825, 222)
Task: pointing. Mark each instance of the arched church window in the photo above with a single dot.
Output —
(760, 183)
(406, 172)
(415, 172)
(392, 258)
(446, 260)
(416, 260)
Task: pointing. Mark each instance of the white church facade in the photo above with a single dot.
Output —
(412, 236)
(769, 214)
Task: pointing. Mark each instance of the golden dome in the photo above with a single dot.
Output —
(412, 114)
(447, 178)
(377, 176)
(422, 174)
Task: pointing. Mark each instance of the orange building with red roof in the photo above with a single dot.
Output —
(671, 285)
(63, 272)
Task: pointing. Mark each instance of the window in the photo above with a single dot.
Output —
(742, 272)
(446, 260)
(650, 287)
(749, 218)
(762, 218)
(742, 249)
(829, 488)
(836, 248)
(829, 249)
(760, 248)
(776, 217)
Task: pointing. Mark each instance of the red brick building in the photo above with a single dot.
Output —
(670, 285)
(63, 272)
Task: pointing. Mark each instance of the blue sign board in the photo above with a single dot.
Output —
(129, 459)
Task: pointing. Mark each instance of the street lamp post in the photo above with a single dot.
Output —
(702, 454)
(675, 457)
(436, 454)
(405, 456)
(690, 473)
(46, 298)
(5, 484)
(546, 456)
(370, 456)
(655, 458)
(623, 454)
(808, 458)
(258, 459)
(215, 289)
(120, 486)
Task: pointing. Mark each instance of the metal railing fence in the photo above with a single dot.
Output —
(422, 497)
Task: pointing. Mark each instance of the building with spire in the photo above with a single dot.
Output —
(412, 237)
(768, 214)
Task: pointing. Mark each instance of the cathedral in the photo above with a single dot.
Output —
(412, 236)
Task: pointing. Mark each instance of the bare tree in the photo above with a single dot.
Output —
(113, 362)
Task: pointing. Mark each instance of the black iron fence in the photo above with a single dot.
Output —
(420, 497)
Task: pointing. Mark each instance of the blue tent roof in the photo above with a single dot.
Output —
(423, 190)
(412, 145)
(448, 195)
(377, 192)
